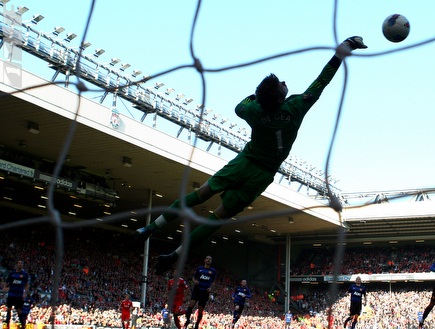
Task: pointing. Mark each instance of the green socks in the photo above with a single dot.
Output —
(202, 233)
(191, 199)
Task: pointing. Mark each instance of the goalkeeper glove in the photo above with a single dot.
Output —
(355, 43)
(352, 43)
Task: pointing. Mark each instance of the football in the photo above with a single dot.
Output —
(396, 28)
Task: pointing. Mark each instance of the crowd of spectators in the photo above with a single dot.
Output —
(385, 309)
(397, 259)
(99, 268)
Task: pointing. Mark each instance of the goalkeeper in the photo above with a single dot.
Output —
(274, 119)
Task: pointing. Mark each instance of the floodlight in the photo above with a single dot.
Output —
(85, 45)
(114, 61)
(187, 101)
(99, 52)
(179, 96)
(169, 90)
(158, 85)
(70, 36)
(21, 10)
(136, 73)
(3, 2)
(124, 66)
(37, 18)
(58, 30)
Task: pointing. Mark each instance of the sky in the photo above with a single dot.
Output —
(385, 136)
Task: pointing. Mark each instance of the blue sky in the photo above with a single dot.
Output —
(385, 137)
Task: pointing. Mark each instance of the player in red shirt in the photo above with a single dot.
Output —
(126, 307)
(177, 308)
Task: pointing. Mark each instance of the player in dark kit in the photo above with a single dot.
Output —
(357, 292)
(203, 279)
(166, 317)
(28, 304)
(288, 319)
(239, 297)
(431, 304)
(274, 119)
(17, 283)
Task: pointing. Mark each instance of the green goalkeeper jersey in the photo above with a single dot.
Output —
(273, 133)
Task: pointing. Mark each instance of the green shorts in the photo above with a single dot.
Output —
(241, 181)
